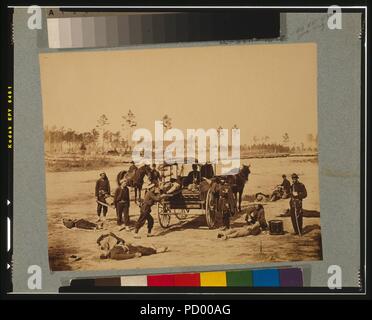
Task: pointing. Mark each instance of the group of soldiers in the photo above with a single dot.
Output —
(121, 202)
(255, 218)
(295, 191)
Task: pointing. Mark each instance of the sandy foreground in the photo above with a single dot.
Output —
(190, 242)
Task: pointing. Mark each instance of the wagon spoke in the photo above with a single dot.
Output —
(210, 210)
(181, 214)
(164, 218)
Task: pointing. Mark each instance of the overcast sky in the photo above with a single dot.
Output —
(263, 89)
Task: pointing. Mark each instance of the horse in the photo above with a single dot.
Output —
(237, 181)
(134, 178)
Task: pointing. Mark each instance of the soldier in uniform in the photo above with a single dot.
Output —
(194, 176)
(206, 171)
(132, 167)
(154, 175)
(298, 193)
(122, 203)
(256, 223)
(151, 197)
(227, 204)
(257, 214)
(286, 187)
(102, 190)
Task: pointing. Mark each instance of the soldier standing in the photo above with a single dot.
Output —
(102, 190)
(122, 203)
(298, 193)
(227, 204)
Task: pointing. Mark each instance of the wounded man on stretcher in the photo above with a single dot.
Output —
(170, 187)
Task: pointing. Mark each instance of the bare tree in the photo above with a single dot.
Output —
(285, 138)
(60, 137)
(102, 123)
(311, 141)
(129, 123)
(167, 122)
(68, 138)
(95, 136)
(116, 140)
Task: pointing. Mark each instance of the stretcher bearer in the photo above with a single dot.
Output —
(151, 197)
(298, 193)
(101, 192)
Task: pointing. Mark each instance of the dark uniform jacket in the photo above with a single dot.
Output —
(300, 189)
(206, 171)
(193, 175)
(154, 176)
(121, 195)
(286, 186)
(257, 215)
(102, 185)
(149, 200)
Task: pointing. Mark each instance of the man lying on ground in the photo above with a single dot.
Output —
(81, 224)
(256, 223)
(116, 248)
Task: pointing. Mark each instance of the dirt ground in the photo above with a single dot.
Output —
(190, 242)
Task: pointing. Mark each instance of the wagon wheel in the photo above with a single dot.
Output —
(181, 214)
(164, 218)
(210, 210)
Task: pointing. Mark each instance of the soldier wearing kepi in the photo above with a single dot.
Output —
(122, 203)
(298, 193)
(151, 197)
(102, 190)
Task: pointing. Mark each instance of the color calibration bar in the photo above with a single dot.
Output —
(285, 277)
(139, 29)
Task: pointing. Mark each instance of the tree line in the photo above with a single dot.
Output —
(101, 140)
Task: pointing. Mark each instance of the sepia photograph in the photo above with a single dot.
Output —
(181, 157)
